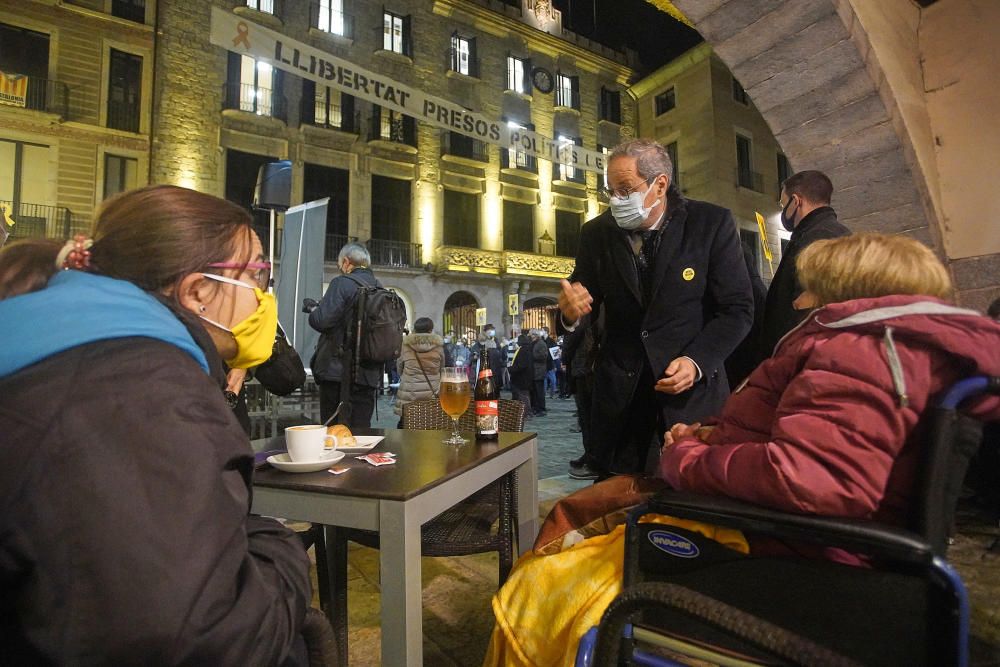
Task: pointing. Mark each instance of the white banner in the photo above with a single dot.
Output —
(248, 38)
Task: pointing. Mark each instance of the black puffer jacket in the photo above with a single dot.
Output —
(124, 529)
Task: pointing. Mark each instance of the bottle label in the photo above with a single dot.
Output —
(485, 373)
(487, 417)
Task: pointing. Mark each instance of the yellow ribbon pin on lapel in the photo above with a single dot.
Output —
(688, 274)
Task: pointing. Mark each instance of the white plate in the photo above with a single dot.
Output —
(364, 443)
(284, 462)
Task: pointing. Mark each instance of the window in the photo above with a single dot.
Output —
(461, 219)
(396, 33)
(739, 94)
(463, 55)
(254, 86)
(241, 180)
(266, 6)
(330, 17)
(124, 90)
(665, 101)
(131, 10)
(518, 227)
(567, 233)
(319, 181)
(389, 125)
(750, 240)
(567, 172)
(24, 177)
(567, 91)
(453, 143)
(784, 170)
(326, 107)
(26, 52)
(119, 174)
(611, 105)
(390, 209)
(513, 158)
(675, 174)
(744, 162)
(518, 71)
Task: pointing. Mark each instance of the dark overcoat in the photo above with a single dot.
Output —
(700, 306)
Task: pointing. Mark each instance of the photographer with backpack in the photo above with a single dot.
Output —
(361, 326)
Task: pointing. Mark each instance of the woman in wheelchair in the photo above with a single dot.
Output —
(829, 425)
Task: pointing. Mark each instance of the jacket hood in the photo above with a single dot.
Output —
(925, 321)
(423, 342)
(77, 308)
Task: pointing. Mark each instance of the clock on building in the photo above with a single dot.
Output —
(542, 78)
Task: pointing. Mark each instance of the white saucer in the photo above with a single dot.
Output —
(284, 462)
(364, 443)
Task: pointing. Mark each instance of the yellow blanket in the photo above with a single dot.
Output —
(549, 602)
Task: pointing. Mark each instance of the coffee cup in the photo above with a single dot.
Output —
(306, 443)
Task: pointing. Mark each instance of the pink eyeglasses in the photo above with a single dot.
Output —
(261, 271)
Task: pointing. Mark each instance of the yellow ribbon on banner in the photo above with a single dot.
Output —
(763, 241)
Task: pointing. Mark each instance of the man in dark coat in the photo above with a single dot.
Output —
(333, 317)
(806, 213)
(670, 276)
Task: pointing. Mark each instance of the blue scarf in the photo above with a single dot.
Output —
(77, 308)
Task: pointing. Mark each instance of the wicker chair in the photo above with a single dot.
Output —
(464, 529)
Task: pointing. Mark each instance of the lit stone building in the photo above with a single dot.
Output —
(453, 223)
(76, 83)
(722, 149)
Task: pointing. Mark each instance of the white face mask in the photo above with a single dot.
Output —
(629, 213)
(491, 333)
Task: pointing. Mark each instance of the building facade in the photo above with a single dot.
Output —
(723, 150)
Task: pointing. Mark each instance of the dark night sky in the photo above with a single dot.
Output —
(654, 34)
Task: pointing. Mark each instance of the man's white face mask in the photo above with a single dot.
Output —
(629, 212)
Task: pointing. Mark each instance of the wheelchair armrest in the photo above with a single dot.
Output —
(877, 540)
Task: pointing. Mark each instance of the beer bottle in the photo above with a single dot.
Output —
(487, 398)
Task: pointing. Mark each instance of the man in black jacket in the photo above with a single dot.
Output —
(333, 317)
(670, 276)
(806, 212)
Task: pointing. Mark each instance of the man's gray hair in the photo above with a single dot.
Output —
(651, 158)
(356, 254)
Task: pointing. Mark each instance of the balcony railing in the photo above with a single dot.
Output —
(39, 220)
(251, 98)
(314, 112)
(333, 244)
(398, 254)
(507, 262)
(123, 116)
(398, 128)
(751, 180)
(40, 95)
(322, 17)
(512, 159)
(130, 10)
(460, 145)
(568, 173)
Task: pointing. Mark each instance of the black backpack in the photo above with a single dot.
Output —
(381, 317)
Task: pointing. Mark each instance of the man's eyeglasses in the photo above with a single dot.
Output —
(261, 271)
(605, 194)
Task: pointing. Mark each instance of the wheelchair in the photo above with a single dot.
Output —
(687, 600)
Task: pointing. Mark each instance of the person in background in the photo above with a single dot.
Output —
(419, 366)
(134, 501)
(333, 317)
(579, 355)
(449, 349)
(540, 357)
(807, 214)
(522, 373)
(744, 359)
(829, 426)
(552, 365)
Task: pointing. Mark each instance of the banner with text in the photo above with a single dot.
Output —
(245, 37)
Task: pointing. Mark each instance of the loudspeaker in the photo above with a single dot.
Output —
(274, 186)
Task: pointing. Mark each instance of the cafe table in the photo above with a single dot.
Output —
(428, 478)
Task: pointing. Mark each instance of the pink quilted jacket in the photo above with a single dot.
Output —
(830, 424)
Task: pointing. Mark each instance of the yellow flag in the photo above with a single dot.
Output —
(763, 240)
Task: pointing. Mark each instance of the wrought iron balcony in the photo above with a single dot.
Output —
(333, 244)
(400, 254)
(460, 145)
(40, 220)
(568, 173)
(37, 93)
(254, 99)
(331, 116)
(123, 116)
(392, 126)
(751, 180)
(514, 159)
(323, 17)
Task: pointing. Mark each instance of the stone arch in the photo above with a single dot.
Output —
(459, 314)
(540, 312)
(841, 84)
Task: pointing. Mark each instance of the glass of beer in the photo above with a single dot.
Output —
(455, 394)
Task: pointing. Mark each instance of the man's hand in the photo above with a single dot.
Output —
(679, 376)
(574, 301)
(309, 305)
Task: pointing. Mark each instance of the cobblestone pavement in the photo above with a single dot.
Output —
(458, 618)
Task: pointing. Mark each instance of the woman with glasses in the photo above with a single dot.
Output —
(124, 528)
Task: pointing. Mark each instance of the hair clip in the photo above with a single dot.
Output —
(75, 254)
